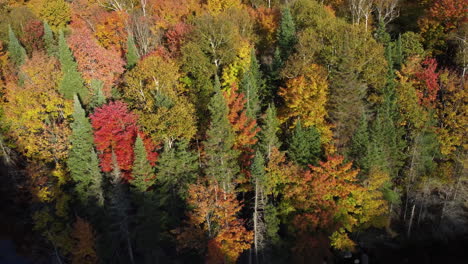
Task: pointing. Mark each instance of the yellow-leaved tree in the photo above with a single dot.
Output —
(154, 92)
(36, 112)
(305, 98)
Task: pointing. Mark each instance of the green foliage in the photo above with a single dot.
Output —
(221, 157)
(286, 33)
(82, 161)
(305, 146)
(269, 133)
(49, 41)
(177, 168)
(360, 142)
(16, 52)
(132, 55)
(72, 83)
(142, 173)
(98, 98)
(252, 85)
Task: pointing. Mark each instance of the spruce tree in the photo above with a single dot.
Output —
(221, 157)
(268, 134)
(360, 143)
(142, 172)
(95, 190)
(98, 98)
(252, 86)
(49, 41)
(286, 34)
(79, 159)
(304, 147)
(16, 52)
(117, 234)
(177, 168)
(72, 83)
(132, 52)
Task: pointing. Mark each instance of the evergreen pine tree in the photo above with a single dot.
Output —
(252, 86)
(286, 34)
(177, 168)
(80, 159)
(72, 83)
(360, 143)
(142, 172)
(118, 237)
(268, 134)
(97, 99)
(304, 147)
(16, 52)
(221, 157)
(49, 41)
(95, 190)
(132, 52)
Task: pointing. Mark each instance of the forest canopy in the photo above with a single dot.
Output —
(233, 131)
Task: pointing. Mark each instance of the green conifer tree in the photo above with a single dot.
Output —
(252, 85)
(142, 172)
(16, 52)
(98, 98)
(304, 147)
(177, 168)
(72, 83)
(286, 34)
(49, 41)
(360, 143)
(132, 52)
(221, 157)
(80, 159)
(268, 134)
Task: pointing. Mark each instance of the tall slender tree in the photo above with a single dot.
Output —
(132, 55)
(286, 33)
(16, 51)
(72, 83)
(221, 157)
(80, 156)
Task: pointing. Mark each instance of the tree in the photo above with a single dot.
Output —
(56, 13)
(16, 52)
(132, 55)
(153, 90)
(97, 95)
(252, 85)
(328, 198)
(260, 201)
(450, 112)
(84, 251)
(115, 130)
(37, 114)
(72, 83)
(80, 157)
(286, 33)
(359, 148)
(33, 36)
(49, 41)
(95, 62)
(111, 32)
(269, 133)
(142, 172)
(305, 98)
(214, 221)
(118, 220)
(305, 147)
(221, 156)
(177, 168)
